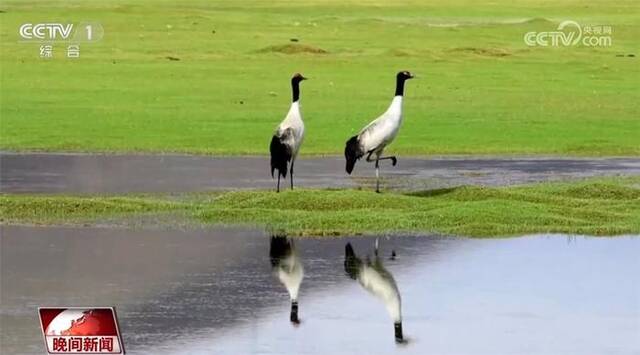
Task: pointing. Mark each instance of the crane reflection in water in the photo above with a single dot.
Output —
(378, 281)
(287, 267)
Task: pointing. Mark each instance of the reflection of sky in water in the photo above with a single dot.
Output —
(214, 292)
(527, 295)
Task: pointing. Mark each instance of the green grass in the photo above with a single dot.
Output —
(75, 209)
(481, 90)
(594, 207)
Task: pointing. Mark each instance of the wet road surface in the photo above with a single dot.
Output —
(83, 173)
(216, 292)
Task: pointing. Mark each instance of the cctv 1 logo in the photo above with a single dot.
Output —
(61, 32)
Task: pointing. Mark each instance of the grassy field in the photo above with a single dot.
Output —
(481, 89)
(593, 207)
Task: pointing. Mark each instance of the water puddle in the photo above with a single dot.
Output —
(241, 291)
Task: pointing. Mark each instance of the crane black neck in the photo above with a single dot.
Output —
(295, 88)
(400, 86)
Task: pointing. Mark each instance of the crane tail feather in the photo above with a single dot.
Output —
(280, 156)
(279, 248)
(351, 262)
(352, 152)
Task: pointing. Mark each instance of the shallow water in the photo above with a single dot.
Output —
(215, 292)
(101, 173)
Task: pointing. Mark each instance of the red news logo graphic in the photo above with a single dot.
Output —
(76, 330)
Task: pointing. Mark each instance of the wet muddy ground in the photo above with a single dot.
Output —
(217, 292)
(84, 173)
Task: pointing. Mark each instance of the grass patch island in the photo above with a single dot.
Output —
(593, 207)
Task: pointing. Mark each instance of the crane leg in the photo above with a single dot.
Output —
(291, 172)
(278, 188)
(393, 159)
(369, 157)
(377, 176)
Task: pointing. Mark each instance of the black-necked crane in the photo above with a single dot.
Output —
(373, 138)
(288, 136)
(287, 266)
(377, 280)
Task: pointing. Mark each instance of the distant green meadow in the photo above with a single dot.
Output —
(212, 77)
(603, 207)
